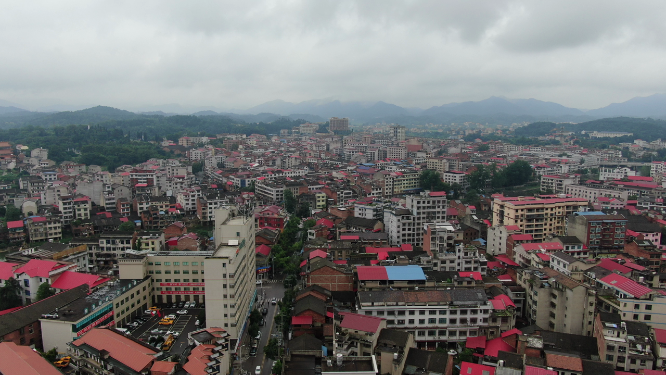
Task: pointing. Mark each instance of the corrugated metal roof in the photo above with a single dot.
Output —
(411, 272)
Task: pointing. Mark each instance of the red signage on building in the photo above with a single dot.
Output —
(183, 292)
(95, 323)
(182, 284)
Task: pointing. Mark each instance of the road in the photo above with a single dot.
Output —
(183, 324)
(268, 290)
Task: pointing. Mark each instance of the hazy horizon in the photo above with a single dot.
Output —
(234, 56)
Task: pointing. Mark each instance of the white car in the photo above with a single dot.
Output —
(181, 312)
(156, 331)
(171, 316)
(274, 301)
(187, 305)
(193, 304)
(174, 333)
(257, 371)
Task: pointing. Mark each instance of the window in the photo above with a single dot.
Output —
(401, 322)
(432, 320)
(176, 263)
(635, 316)
(648, 307)
(610, 348)
(432, 332)
(442, 312)
(193, 263)
(196, 272)
(401, 313)
(411, 312)
(167, 280)
(637, 306)
(647, 317)
(167, 263)
(609, 357)
(167, 272)
(380, 312)
(421, 312)
(453, 321)
(411, 321)
(420, 333)
(432, 312)
(442, 320)
(176, 272)
(421, 321)
(390, 322)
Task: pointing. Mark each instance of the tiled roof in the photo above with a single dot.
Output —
(626, 285)
(467, 368)
(198, 359)
(476, 342)
(298, 320)
(69, 280)
(360, 322)
(542, 246)
(371, 273)
(495, 345)
(22, 360)
(660, 335)
(613, 266)
(318, 253)
(564, 362)
(522, 237)
(263, 249)
(473, 275)
(531, 370)
(15, 224)
(37, 267)
(121, 348)
(6, 270)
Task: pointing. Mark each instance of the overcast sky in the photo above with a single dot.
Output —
(238, 54)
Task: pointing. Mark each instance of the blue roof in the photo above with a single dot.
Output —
(590, 213)
(411, 272)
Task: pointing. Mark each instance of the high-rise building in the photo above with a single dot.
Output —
(231, 271)
(338, 124)
(397, 132)
(406, 225)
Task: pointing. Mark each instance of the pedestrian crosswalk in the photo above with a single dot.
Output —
(271, 281)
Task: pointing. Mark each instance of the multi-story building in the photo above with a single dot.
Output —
(405, 225)
(498, 236)
(369, 210)
(112, 246)
(399, 182)
(607, 173)
(16, 231)
(431, 316)
(338, 124)
(591, 193)
(231, 271)
(556, 184)
(456, 177)
(114, 303)
(106, 351)
(396, 152)
(439, 241)
(538, 216)
(558, 302)
(44, 228)
(597, 230)
(469, 259)
(397, 132)
(37, 271)
(626, 345)
(438, 164)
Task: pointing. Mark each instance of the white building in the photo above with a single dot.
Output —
(606, 173)
(405, 225)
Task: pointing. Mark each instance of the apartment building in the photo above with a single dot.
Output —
(591, 193)
(626, 345)
(431, 316)
(438, 164)
(557, 302)
(399, 182)
(597, 230)
(498, 236)
(37, 271)
(231, 271)
(111, 247)
(396, 152)
(456, 177)
(369, 210)
(397, 132)
(608, 173)
(338, 124)
(405, 225)
(556, 184)
(537, 216)
(42, 228)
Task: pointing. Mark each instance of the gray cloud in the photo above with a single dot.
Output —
(239, 54)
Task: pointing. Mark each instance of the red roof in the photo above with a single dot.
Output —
(438, 194)
(545, 257)
(38, 219)
(505, 259)
(493, 264)
(660, 335)
(6, 270)
(340, 261)
(476, 342)
(474, 275)
(359, 322)
(612, 266)
(505, 300)
(407, 247)
(121, 348)
(163, 367)
(317, 253)
(626, 285)
(38, 267)
(19, 359)
(467, 368)
(325, 222)
(512, 227)
(371, 273)
(349, 237)
(522, 237)
(514, 331)
(530, 370)
(15, 224)
(542, 246)
(7, 311)
(70, 280)
(298, 320)
(494, 346)
(263, 250)
(564, 362)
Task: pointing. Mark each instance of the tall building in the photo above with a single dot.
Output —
(231, 271)
(397, 132)
(538, 216)
(597, 230)
(338, 124)
(406, 225)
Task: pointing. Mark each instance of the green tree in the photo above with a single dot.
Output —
(197, 167)
(51, 356)
(127, 226)
(253, 330)
(645, 171)
(431, 180)
(289, 201)
(255, 317)
(483, 148)
(12, 213)
(478, 180)
(472, 197)
(44, 291)
(303, 211)
(10, 294)
(277, 367)
(272, 349)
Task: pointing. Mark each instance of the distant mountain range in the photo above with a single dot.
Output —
(494, 110)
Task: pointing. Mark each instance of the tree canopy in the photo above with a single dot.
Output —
(44, 291)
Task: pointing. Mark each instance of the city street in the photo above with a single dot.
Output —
(266, 292)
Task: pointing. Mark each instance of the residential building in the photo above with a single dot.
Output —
(456, 177)
(558, 302)
(538, 216)
(37, 271)
(112, 246)
(338, 124)
(626, 345)
(405, 225)
(556, 184)
(397, 132)
(42, 228)
(597, 230)
(607, 173)
(591, 193)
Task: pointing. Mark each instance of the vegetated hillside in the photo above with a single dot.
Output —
(646, 129)
(648, 106)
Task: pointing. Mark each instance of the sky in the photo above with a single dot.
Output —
(238, 54)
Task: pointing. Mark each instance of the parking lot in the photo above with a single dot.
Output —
(183, 324)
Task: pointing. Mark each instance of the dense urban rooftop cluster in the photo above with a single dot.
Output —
(400, 255)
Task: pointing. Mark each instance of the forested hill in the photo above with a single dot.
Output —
(111, 143)
(645, 129)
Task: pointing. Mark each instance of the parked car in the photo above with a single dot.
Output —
(258, 337)
(193, 304)
(253, 352)
(262, 322)
(181, 312)
(257, 371)
(171, 316)
(197, 323)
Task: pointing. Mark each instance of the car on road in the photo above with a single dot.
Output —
(62, 362)
(197, 323)
(262, 322)
(157, 331)
(171, 316)
(187, 305)
(264, 311)
(259, 282)
(257, 371)
(174, 333)
(181, 312)
(273, 301)
(258, 337)
(253, 351)
(166, 322)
